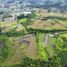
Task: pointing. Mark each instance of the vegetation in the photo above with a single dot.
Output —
(41, 47)
(4, 49)
(41, 42)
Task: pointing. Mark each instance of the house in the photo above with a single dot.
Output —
(26, 12)
(8, 19)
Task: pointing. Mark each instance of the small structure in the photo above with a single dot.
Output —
(26, 13)
(8, 19)
(51, 35)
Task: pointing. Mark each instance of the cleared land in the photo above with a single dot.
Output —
(21, 47)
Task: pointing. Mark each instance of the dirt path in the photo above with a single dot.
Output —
(47, 39)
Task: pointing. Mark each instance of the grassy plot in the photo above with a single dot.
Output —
(49, 25)
(47, 53)
(4, 49)
(13, 28)
(17, 52)
(30, 41)
(61, 46)
(23, 20)
(17, 31)
(11, 25)
(64, 49)
(50, 21)
(42, 54)
(64, 41)
(64, 58)
(20, 49)
(3, 24)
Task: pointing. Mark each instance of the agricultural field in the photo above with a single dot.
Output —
(50, 21)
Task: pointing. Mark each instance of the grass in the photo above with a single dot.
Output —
(3, 24)
(50, 21)
(12, 27)
(31, 50)
(49, 25)
(23, 20)
(42, 54)
(16, 52)
(5, 50)
(19, 51)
